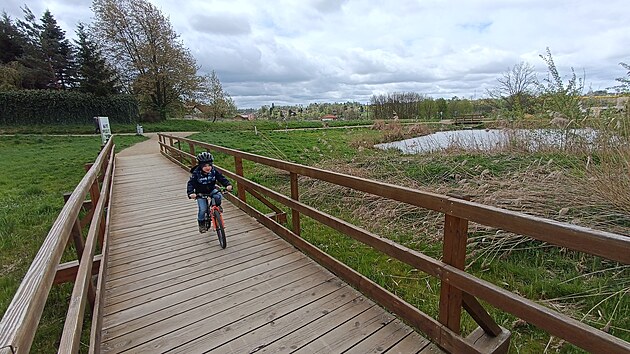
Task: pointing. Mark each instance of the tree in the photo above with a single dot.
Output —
(427, 108)
(58, 52)
(624, 81)
(442, 108)
(516, 87)
(35, 72)
(141, 43)
(219, 101)
(11, 50)
(560, 97)
(93, 73)
(11, 40)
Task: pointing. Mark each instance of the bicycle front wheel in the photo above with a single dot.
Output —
(219, 228)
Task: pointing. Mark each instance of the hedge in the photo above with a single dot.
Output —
(27, 107)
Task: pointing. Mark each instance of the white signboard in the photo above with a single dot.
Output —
(106, 132)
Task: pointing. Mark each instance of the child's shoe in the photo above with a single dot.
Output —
(202, 226)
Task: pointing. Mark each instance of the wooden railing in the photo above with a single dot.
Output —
(459, 289)
(21, 319)
(474, 118)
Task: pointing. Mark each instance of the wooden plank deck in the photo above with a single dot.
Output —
(172, 289)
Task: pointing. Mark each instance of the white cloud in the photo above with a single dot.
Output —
(318, 50)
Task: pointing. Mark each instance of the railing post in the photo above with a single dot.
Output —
(238, 165)
(191, 147)
(454, 254)
(295, 215)
(95, 194)
(94, 190)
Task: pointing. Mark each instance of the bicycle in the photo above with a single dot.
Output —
(214, 217)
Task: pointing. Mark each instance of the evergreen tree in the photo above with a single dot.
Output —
(58, 52)
(11, 41)
(94, 76)
(35, 72)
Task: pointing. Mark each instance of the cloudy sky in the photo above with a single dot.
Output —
(298, 52)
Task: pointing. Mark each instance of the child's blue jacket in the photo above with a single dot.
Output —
(202, 183)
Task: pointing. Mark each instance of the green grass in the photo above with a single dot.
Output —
(177, 125)
(35, 172)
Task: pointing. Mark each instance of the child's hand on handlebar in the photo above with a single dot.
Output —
(192, 196)
(229, 188)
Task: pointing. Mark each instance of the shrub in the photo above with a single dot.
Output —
(30, 107)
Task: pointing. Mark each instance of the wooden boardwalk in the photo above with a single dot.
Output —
(172, 289)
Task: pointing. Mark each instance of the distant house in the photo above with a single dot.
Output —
(329, 117)
(250, 116)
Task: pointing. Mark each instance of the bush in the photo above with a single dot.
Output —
(29, 107)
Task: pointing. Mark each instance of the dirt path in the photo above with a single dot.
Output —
(148, 147)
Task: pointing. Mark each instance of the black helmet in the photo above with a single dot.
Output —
(204, 158)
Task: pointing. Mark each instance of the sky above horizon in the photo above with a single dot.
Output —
(289, 52)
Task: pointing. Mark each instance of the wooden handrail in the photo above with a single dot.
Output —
(71, 334)
(97, 312)
(599, 243)
(612, 246)
(20, 321)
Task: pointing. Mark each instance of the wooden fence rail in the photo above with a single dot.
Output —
(459, 289)
(21, 319)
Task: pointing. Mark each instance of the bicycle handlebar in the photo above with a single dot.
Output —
(222, 190)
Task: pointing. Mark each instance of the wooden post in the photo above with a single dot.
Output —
(191, 147)
(79, 245)
(454, 253)
(95, 194)
(94, 190)
(295, 215)
(238, 164)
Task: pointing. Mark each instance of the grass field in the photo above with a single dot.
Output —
(552, 184)
(177, 125)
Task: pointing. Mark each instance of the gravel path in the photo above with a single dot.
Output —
(148, 147)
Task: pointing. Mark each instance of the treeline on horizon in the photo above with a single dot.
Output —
(519, 93)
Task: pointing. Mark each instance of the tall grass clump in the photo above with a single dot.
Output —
(608, 172)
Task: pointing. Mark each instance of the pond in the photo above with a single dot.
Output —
(493, 139)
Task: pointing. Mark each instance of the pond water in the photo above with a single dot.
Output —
(492, 139)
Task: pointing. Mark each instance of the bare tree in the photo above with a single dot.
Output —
(516, 88)
(140, 41)
(220, 102)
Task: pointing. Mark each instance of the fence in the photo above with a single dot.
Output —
(22, 317)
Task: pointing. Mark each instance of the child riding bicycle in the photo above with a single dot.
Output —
(203, 181)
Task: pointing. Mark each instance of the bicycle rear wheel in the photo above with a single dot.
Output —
(219, 228)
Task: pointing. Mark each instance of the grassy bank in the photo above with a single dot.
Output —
(553, 183)
(177, 125)
(35, 172)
